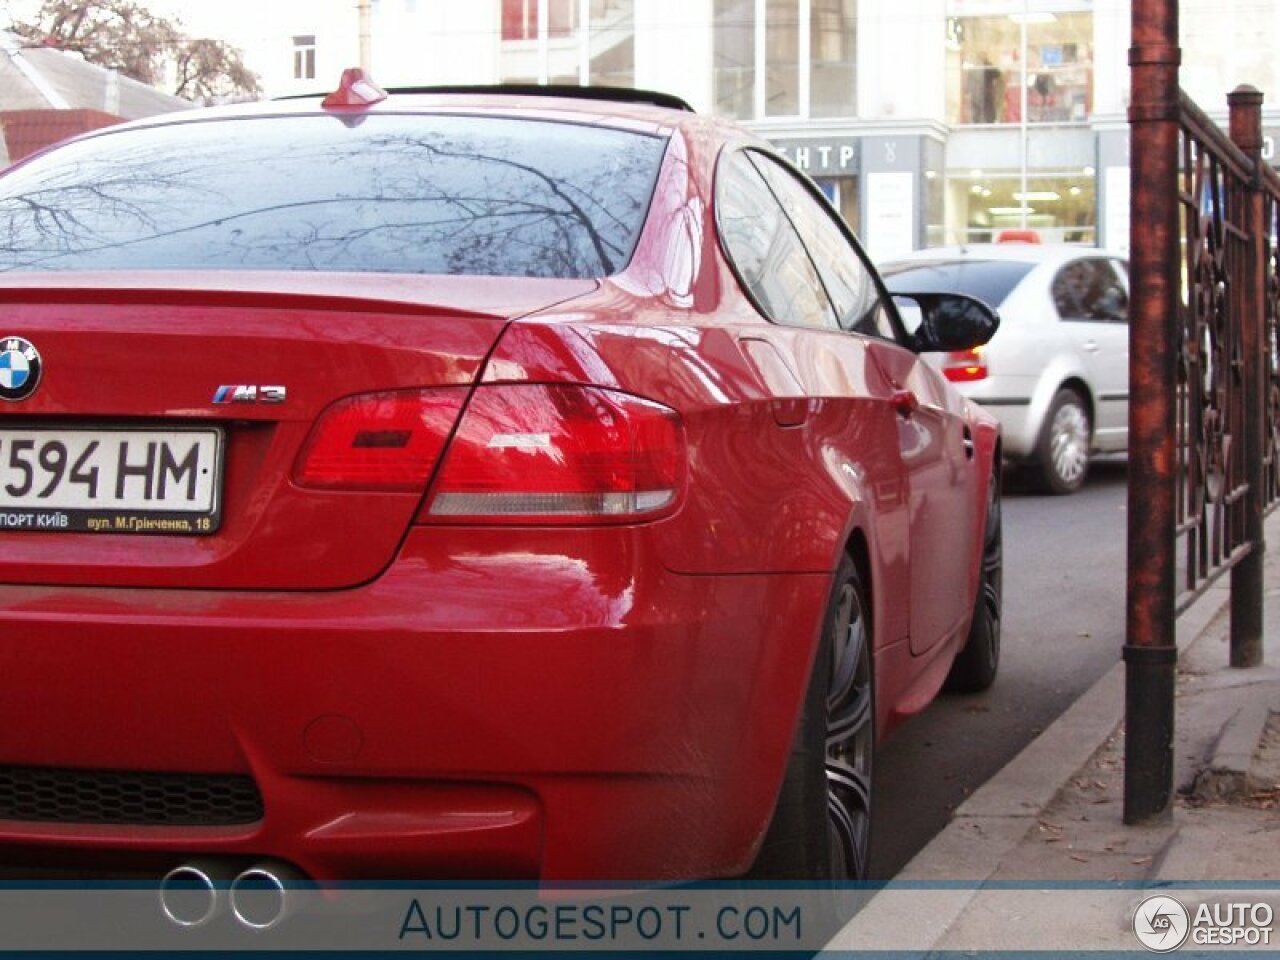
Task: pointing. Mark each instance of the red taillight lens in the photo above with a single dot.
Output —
(532, 453)
(379, 441)
(965, 366)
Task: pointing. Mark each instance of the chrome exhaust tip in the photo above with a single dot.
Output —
(189, 894)
(260, 897)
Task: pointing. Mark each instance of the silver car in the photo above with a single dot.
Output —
(1057, 371)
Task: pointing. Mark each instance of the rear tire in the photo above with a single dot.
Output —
(821, 826)
(1063, 449)
(978, 661)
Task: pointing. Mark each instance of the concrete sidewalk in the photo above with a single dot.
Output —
(1053, 816)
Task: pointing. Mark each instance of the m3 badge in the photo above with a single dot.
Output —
(249, 393)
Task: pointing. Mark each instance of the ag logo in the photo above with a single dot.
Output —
(1161, 924)
(19, 368)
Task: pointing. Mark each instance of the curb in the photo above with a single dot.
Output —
(1227, 775)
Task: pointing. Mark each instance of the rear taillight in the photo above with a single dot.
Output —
(380, 441)
(965, 366)
(532, 453)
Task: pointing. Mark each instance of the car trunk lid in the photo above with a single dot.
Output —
(150, 353)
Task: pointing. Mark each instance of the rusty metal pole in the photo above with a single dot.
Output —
(1249, 305)
(1150, 651)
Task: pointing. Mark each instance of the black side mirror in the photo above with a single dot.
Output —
(950, 321)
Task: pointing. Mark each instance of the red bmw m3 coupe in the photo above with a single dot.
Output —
(467, 484)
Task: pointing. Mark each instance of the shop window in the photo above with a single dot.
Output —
(1061, 206)
(987, 73)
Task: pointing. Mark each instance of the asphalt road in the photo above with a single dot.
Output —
(1064, 583)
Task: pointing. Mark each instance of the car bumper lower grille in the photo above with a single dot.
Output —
(55, 795)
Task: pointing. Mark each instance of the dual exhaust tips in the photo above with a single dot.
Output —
(259, 898)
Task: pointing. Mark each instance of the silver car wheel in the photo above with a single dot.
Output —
(1069, 443)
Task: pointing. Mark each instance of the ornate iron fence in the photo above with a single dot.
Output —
(1271, 333)
(1215, 183)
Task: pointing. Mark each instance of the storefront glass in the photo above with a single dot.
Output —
(986, 73)
(1061, 206)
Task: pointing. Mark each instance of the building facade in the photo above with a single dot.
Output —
(925, 121)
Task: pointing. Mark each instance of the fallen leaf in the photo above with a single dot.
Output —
(1079, 859)
(1142, 861)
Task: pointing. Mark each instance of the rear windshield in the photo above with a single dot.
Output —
(388, 193)
(988, 280)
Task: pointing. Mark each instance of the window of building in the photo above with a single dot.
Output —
(519, 20)
(304, 57)
(833, 38)
(580, 42)
(611, 43)
(1061, 206)
(562, 18)
(987, 71)
(784, 58)
(734, 75)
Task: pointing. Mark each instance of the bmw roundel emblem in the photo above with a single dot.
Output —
(19, 368)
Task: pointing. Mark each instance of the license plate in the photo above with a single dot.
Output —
(105, 480)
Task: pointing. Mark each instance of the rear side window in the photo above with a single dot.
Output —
(847, 280)
(765, 249)
(1090, 290)
(393, 193)
(988, 280)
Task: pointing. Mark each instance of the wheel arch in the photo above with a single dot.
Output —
(1078, 384)
(859, 551)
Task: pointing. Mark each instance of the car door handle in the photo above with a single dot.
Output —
(1089, 346)
(905, 402)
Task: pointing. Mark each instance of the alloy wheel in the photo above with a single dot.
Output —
(849, 741)
(1069, 443)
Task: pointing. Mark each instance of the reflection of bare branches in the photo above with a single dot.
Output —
(430, 194)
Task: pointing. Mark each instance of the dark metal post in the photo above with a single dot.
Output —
(1150, 651)
(1248, 305)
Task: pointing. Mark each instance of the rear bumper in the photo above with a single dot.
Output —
(517, 710)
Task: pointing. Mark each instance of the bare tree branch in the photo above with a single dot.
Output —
(125, 36)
